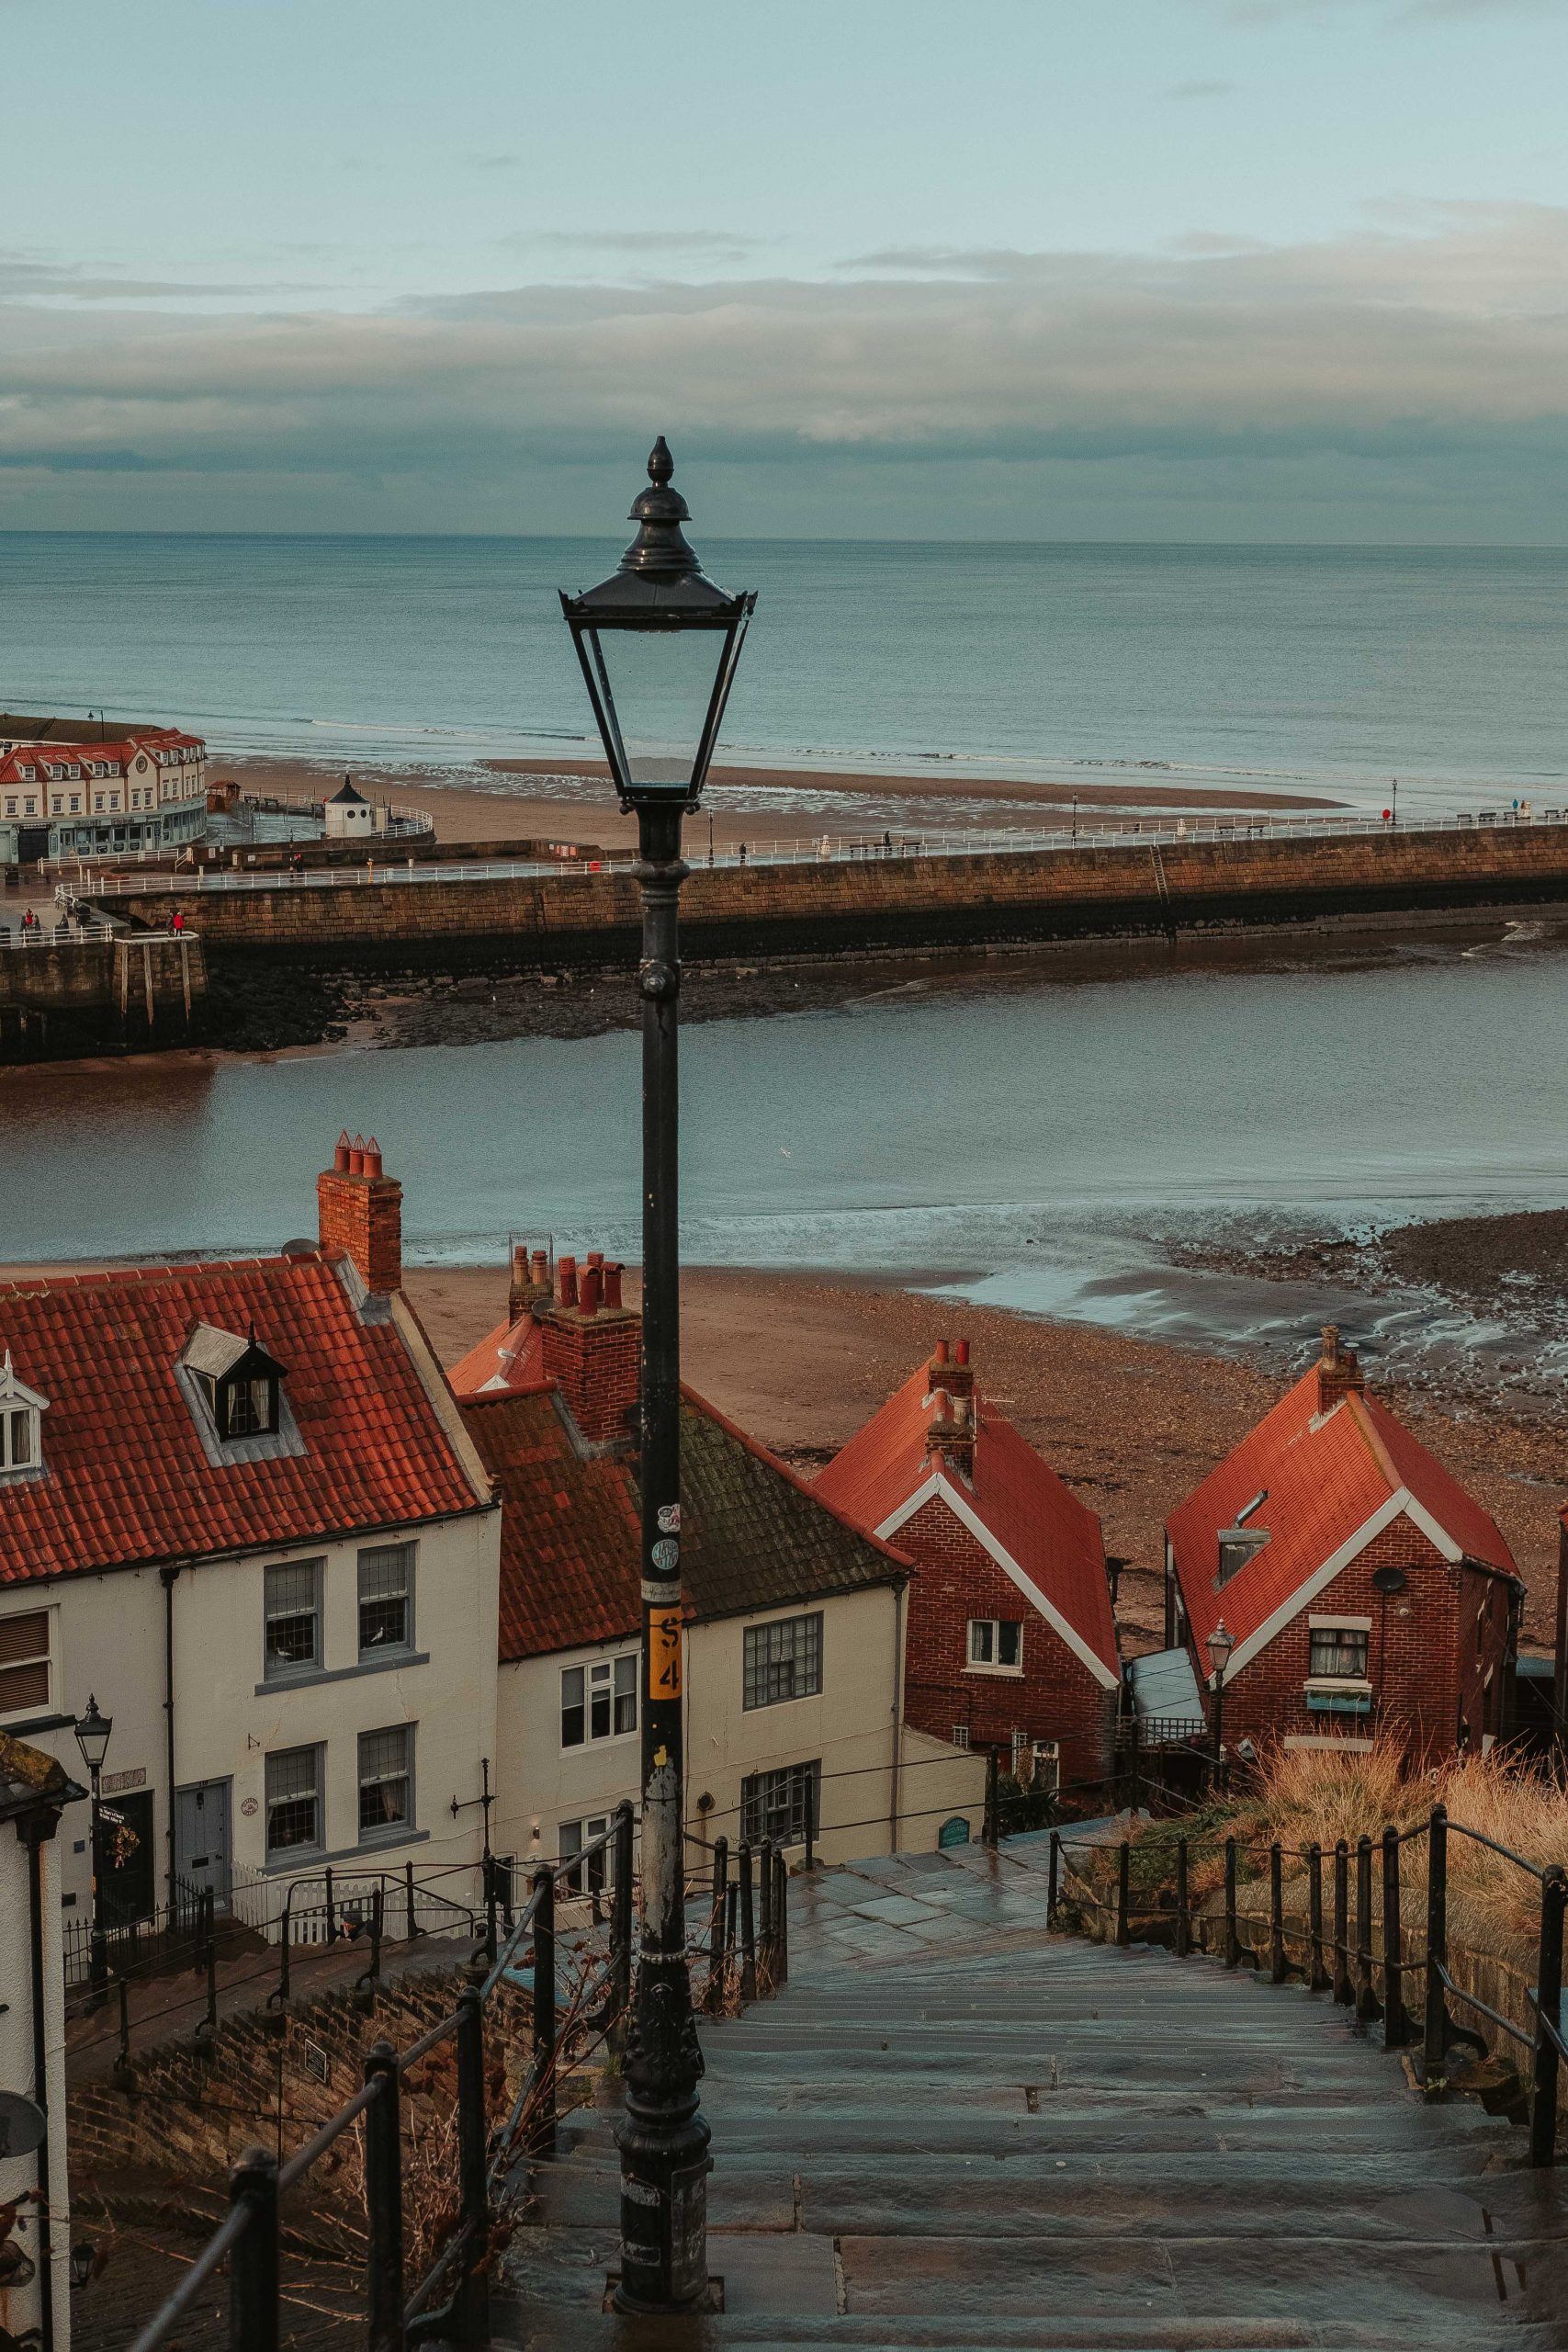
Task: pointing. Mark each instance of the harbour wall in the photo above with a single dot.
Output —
(83, 995)
(842, 908)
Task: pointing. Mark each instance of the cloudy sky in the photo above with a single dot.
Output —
(1173, 269)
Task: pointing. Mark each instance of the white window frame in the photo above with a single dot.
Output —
(303, 1851)
(755, 1667)
(992, 1628)
(613, 1679)
(372, 1650)
(1335, 1628)
(283, 1670)
(389, 1833)
(571, 1837)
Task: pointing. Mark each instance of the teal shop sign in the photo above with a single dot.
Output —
(953, 1833)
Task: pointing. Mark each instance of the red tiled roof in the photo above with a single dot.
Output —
(506, 1360)
(127, 1478)
(1037, 1520)
(1324, 1485)
(754, 1536)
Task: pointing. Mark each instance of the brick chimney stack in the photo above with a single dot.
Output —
(360, 1211)
(950, 1439)
(1339, 1373)
(593, 1348)
(950, 1368)
(529, 1288)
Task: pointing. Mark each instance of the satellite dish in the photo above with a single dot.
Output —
(1389, 1579)
(21, 2125)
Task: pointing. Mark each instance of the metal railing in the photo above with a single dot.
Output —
(1361, 1956)
(828, 849)
(400, 2312)
(18, 938)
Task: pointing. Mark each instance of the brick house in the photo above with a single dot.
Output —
(1365, 1593)
(1012, 1641)
(792, 1668)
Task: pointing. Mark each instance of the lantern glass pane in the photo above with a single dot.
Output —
(660, 683)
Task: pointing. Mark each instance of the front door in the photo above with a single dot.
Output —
(201, 1838)
(126, 1858)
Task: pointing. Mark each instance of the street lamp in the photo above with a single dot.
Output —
(659, 646)
(1220, 1643)
(93, 1731)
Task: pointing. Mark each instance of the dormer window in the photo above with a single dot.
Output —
(21, 1412)
(240, 1384)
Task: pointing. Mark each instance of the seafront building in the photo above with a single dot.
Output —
(1368, 1596)
(74, 788)
(798, 1727)
(1011, 1640)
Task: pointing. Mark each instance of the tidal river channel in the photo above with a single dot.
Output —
(1032, 1140)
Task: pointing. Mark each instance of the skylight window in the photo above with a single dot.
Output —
(21, 1412)
(237, 1381)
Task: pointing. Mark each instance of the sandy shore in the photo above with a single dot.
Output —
(747, 803)
(1132, 1425)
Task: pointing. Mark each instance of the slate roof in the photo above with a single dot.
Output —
(1037, 1520)
(127, 1477)
(754, 1536)
(1324, 1485)
(29, 1779)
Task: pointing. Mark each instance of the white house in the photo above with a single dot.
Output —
(35, 2249)
(238, 1505)
(73, 787)
(792, 1671)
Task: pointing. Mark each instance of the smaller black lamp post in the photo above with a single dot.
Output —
(93, 1731)
(84, 2254)
(1221, 1643)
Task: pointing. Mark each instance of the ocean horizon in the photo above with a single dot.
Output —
(1326, 667)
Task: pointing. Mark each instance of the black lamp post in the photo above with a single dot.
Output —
(1220, 1643)
(93, 1731)
(659, 646)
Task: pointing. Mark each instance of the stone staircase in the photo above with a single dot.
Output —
(953, 2130)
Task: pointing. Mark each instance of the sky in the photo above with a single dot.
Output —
(1223, 270)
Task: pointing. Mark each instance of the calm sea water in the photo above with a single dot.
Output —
(1339, 666)
(1026, 1139)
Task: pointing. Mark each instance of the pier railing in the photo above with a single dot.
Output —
(1359, 1953)
(828, 849)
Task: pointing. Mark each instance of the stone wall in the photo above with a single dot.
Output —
(91, 992)
(840, 907)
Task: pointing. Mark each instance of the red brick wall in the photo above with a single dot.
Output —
(1423, 1662)
(1055, 1698)
(363, 1216)
(598, 1361)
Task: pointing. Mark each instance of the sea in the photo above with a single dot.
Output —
(1325, 669)
(1048, 1139)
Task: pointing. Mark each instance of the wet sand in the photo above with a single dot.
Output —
(520, 803)
(1132, 1427)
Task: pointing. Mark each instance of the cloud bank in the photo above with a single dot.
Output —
(1429, 354)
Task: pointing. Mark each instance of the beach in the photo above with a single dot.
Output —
(801, 1361)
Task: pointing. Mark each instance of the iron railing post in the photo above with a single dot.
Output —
(1342, 1987)
(1317, 1975)
(765, 1908)
(473, 2297)
(412, 1919)
(378, 1914)
(1052, 1880)
(993, 1795)
(1548, 2006)
(490, 1944)
(542, 2137)
(253, 2265)
(210, 1958)
(811, 1822)
(1123, 1877)
(1435, 2034)
(1366, 1997)
(1233, 1938)
(1183, 1922)
(781, 1921)
(747, 1928)
(384, 2201)
(332, 1915)
(621, 1929)
(1276, 1913)
(1395, 2032)
(713, 1998)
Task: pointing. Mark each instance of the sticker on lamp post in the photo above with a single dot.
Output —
(665, 1556)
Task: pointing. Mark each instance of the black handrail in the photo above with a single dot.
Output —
(1350, 1979)
(395, 2317)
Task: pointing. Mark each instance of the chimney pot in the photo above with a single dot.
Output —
(588, 1295)
(613, 1287)
(357, 1156)
(565, 1269)
(372, 1157)
(941, 1354)
(340, 1155)
(595, 1258)
(962, 1351)
(539, 1270)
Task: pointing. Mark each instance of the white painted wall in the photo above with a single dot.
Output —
(107, 1639)
(22, 2307)
(849, 1726)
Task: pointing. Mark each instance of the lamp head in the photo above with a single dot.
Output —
(1220, 1643)
(93, 1731)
